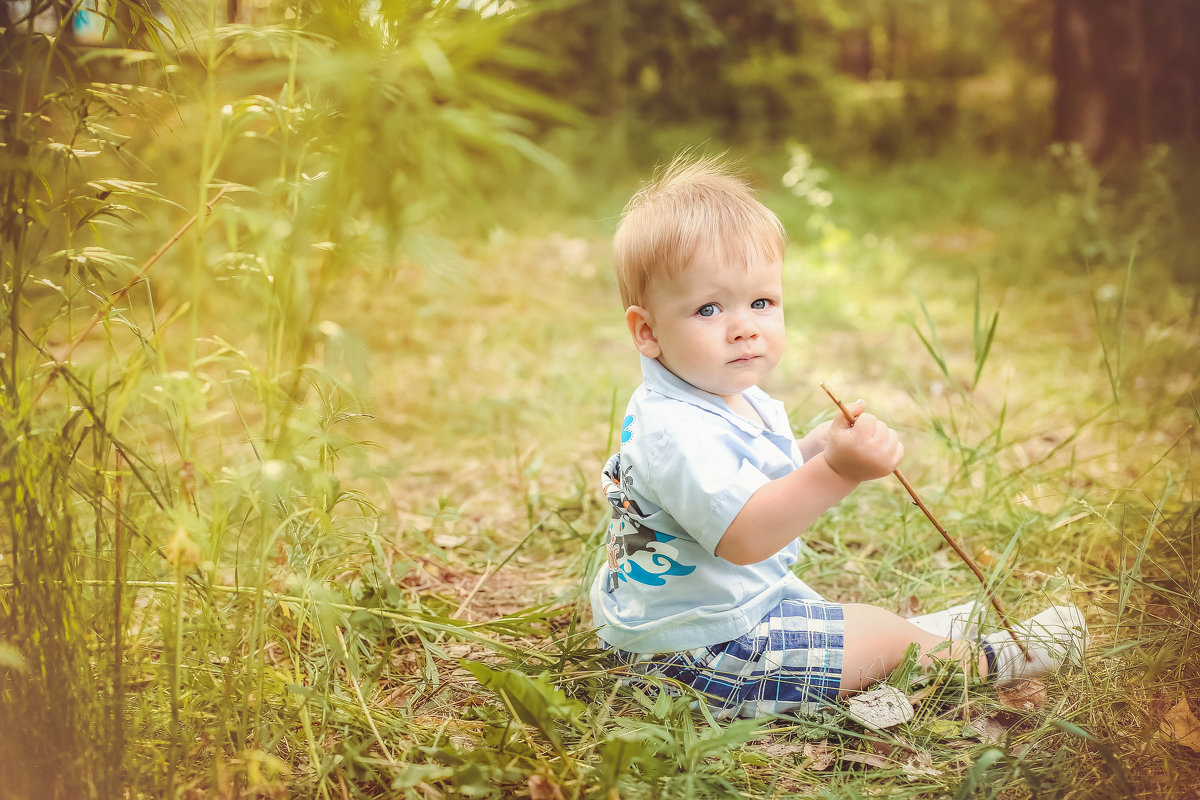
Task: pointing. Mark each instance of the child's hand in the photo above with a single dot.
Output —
(814, 443)
(864, 451)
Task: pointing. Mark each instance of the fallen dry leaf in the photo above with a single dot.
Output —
(542, 788)
(870, 759)
(916, 698)
(991, 729)
(819, 756)
(910, 607)
(882, 707)
(781, 749)
(1180, 725)
(917, 765)
(1026, 694)
(920, 765)
(883, 748)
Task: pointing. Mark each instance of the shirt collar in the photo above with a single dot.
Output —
(658, 378)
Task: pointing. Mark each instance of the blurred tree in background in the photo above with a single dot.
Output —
(881, 77)
(1128, 73)
(1109, 82)
(866, 77)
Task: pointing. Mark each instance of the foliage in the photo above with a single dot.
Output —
(192, 489)
(641, 65)
(1132, 210)
(872, 77)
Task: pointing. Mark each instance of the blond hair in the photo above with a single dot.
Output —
(695, 202)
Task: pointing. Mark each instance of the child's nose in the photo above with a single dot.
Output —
(743, 327)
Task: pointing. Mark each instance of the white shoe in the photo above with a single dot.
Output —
(1055, 637)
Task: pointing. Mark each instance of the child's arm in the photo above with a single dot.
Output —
(784, 508)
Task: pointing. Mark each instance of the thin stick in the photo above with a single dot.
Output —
(963, 554)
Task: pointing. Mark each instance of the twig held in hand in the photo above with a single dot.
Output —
(963, 554)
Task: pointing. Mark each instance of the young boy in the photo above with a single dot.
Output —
(711, 492)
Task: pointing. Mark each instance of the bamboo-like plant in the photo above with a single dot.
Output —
(172, 454)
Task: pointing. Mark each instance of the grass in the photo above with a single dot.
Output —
(309, 513)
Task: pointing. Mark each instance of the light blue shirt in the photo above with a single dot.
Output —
(687, 465)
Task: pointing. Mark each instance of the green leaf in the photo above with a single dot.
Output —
(976, 776)
(718, 740)
(619, 752)
(662, 704)
(931, 343)
(982, 339)
(435, 61)
(413, 775)
(534, 701)
(1120, 775)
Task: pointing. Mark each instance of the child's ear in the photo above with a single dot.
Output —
(641, 327)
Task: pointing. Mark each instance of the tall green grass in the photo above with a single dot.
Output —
(186, 500)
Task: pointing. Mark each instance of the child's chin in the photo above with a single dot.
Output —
(731, 389)
(727, 384)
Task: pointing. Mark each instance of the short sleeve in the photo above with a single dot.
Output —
(702, 480)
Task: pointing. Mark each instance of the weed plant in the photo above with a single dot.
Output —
(298, 468)
(184, 500)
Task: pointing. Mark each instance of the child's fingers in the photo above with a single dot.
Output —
(866, 425)
(867, 449)
(892, 449)
(881, 444)
(887, 437)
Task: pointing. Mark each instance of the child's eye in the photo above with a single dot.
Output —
(707, 310)
(760, 304)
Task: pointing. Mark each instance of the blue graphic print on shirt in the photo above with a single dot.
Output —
(635, 552)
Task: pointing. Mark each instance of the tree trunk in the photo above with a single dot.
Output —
(1127, 72)
(1091, 49)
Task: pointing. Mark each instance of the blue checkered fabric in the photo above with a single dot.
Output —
(791, 662)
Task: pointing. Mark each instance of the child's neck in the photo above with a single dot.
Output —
(744, 408)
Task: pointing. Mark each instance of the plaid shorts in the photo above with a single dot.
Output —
(791, 661)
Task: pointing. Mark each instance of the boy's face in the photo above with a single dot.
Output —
(718, 327)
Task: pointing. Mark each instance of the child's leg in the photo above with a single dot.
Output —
(805, 654)
(876, 640)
